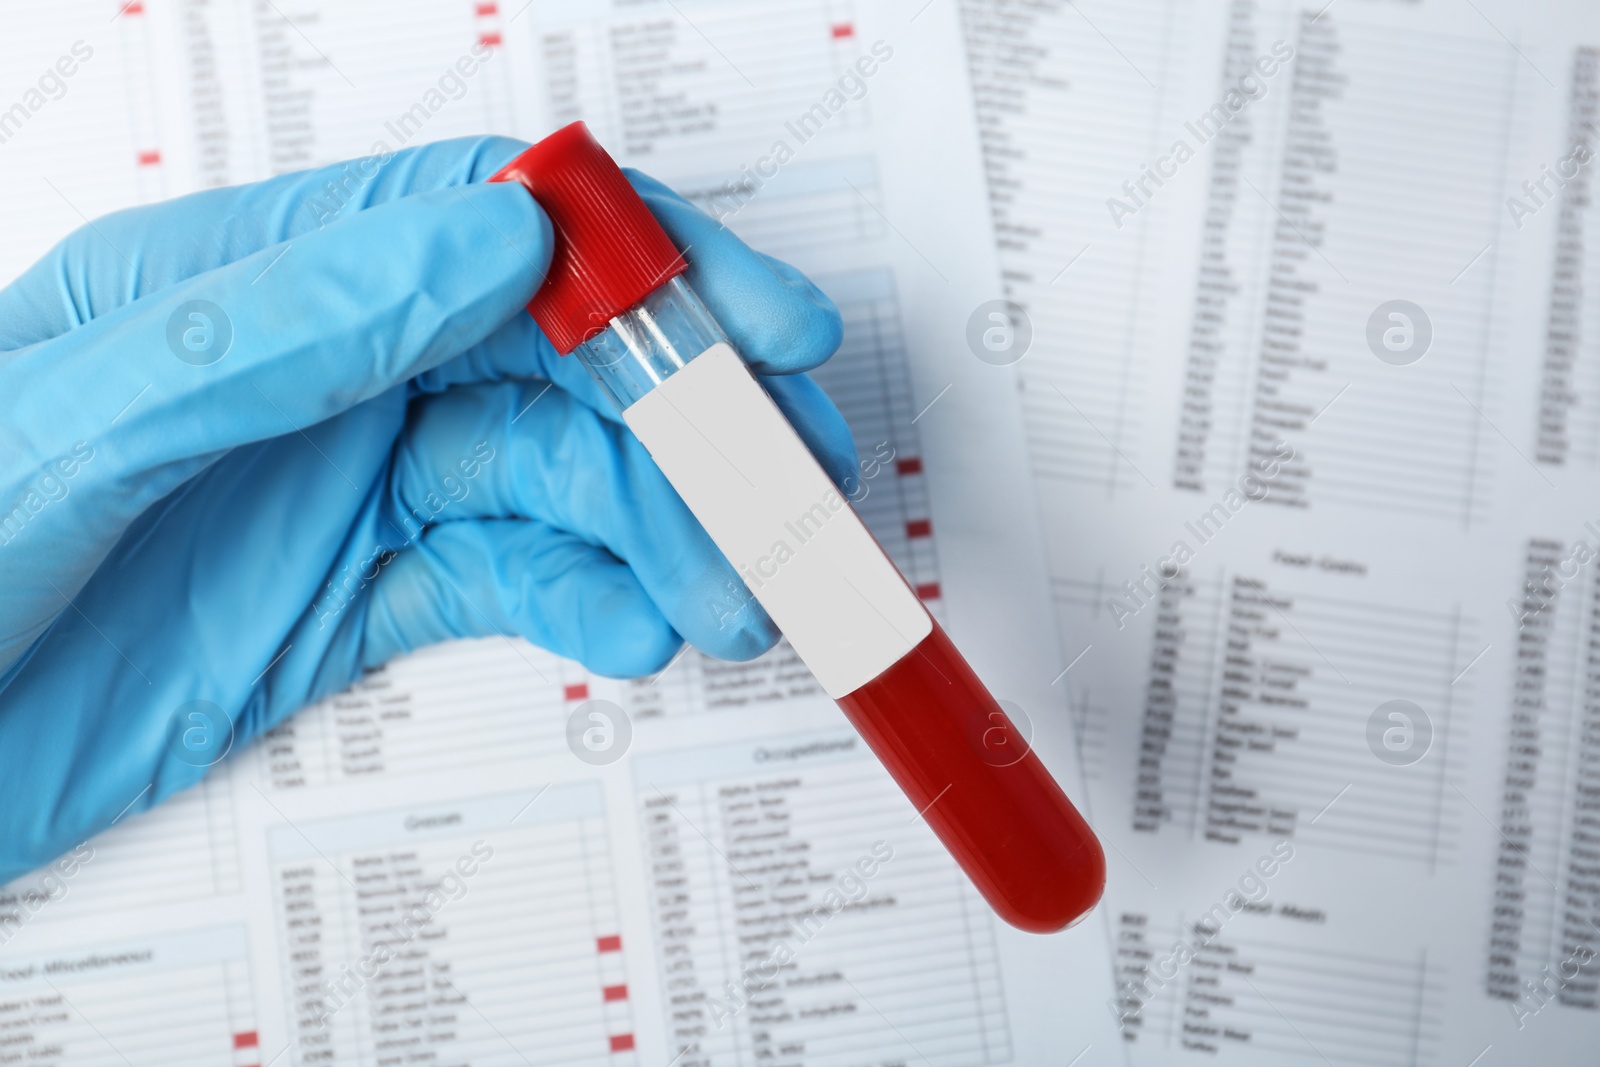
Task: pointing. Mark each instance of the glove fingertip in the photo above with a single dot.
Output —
(492, 152)
(636, 643)
(518, 223)
(719, 616)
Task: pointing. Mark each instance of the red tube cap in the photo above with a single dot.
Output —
(610, 252)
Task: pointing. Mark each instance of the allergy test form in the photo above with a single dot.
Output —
(1226, 379)
(744, 884)
(1310, 408)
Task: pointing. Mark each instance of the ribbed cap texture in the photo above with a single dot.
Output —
(610, 252)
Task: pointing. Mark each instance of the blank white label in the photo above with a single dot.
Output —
(787, 529)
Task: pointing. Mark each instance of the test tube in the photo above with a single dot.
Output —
(615, 294)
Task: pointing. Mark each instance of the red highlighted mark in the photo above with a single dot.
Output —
(487, 9)
(621, 1042)
(577, 692)
(611, 943)
(616, 992)
(490, 39)
(843, 29)
(909, 465)
(248, 1039)
(928, 591)
(149, 159)
(919, 528)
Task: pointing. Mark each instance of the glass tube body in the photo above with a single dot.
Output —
(648, 343)
(923, 711)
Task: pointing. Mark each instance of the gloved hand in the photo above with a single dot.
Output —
(357, 444)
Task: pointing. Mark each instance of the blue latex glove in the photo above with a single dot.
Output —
(373, 465)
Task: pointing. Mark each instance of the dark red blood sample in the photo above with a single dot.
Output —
(1008, 824)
